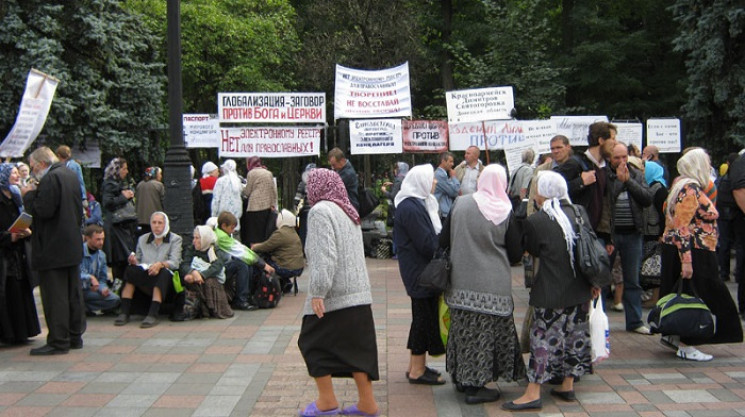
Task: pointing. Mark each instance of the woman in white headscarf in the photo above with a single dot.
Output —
(559, 336)
(203, 271)
(689, 253)
(149, 270)
(484, 241)
(227, 194)
(415, 234)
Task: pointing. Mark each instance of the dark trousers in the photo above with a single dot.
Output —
(728, 240)
(64, 310)
(739, 231)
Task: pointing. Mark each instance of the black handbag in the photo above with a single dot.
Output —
(591, 260)
(436, 275)
(126, 213)
(683, 315)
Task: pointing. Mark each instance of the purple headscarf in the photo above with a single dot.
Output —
(325, 184)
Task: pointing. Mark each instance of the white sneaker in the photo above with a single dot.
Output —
(690, 353)
(617, 307)
(642, 330)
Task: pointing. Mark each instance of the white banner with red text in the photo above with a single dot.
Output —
(363, 94)
(269, 142)
(271, 107)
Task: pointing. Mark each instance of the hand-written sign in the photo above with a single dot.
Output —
(271, 107)
(664, 134)
(269, 142)
(371, 94)
(201, 131)
(375, 136)
(480, 104)
(425, 136)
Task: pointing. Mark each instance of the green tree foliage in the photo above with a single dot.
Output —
(712, 36)
(111, 86)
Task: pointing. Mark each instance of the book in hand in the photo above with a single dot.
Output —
(22, 223)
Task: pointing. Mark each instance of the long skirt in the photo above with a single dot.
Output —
(340, 343)
(212, 298)
(257, 226)
(559, 343)
(119, 242)
(709, 287)
(18, 317)
(483, 348)
(424, 334)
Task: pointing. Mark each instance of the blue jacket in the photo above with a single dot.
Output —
(446, 191)
(416, 243)
(93, 264)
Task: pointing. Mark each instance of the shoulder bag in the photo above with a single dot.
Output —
(125, 213)
(591, 260)
(436, 275)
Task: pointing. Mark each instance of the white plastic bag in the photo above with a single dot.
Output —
(599, 331)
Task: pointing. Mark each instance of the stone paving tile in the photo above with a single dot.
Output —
(72, 412)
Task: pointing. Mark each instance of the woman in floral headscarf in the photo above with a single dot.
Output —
(337, 337)
(18, 318)
(116, 193)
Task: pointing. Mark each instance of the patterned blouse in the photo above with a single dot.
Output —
(692, 223)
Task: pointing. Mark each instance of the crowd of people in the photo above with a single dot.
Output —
(472, 211)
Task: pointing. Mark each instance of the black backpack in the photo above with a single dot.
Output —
(591, 260)
(268, 291)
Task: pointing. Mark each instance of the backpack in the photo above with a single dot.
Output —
(268, 291)
(591, 260)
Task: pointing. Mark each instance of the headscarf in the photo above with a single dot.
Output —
(418, 184)
(636, 162)
(694, 168)
(308, 168)
(490, 195)
(152, 173)
(325, 184)
(207, 239)
(253, 162)
(228, 170)
(285, 218)
(653, 172)
(15, 192)
(553, 187)
(112, 170)
(403, 169)
(166, 229)
(208, 167)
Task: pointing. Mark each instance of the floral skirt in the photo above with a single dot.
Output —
(483, 348)
(559, 343)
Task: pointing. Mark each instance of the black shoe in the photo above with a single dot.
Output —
(47, 350)
(533, 405)
(76, 343)
(481, 395)
(564, 395)
(558, 380)
(244, 306)
(148, 322)
(121, 319)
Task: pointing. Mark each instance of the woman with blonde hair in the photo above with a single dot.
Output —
(689, 253)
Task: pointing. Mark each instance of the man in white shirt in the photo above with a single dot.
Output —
(469, 170)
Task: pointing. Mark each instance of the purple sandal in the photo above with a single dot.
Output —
(311, 410)
(352, 410)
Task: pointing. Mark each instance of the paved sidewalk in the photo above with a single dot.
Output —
(250, 366)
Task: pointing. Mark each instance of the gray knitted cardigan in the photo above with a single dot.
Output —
(481, 278)
(336, 259)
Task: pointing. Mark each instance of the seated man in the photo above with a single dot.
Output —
(97, 296)
(242, 262)
(284, 250)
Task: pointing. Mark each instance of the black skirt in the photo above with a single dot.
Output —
(138, 277)
(341, 342)
(257, 226)
(424, 334)
(709, 287)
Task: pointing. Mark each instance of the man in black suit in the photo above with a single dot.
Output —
(56, 241)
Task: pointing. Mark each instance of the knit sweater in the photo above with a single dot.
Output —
(336, 259)
(481, 253)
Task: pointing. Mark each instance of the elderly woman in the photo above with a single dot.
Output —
(337, 337)
(120, 237)
(203, 270)
(560, 334)
(689, 253)
(484, 240)
(18, 318)
(415, 234)
(149, 270)
(227, 193)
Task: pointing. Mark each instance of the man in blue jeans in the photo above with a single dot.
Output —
(627, 194)
(97, 296)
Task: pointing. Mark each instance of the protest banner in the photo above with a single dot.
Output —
(629, 133)
(539, 133)
(498, 134)
(269, 142)
(363, 94)
(375, 136)
(32, 114)
(576, 128)
(201, 130)
(513, 152)
(664, 134)
(481, 104)
(425, 136)
(271, 107)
